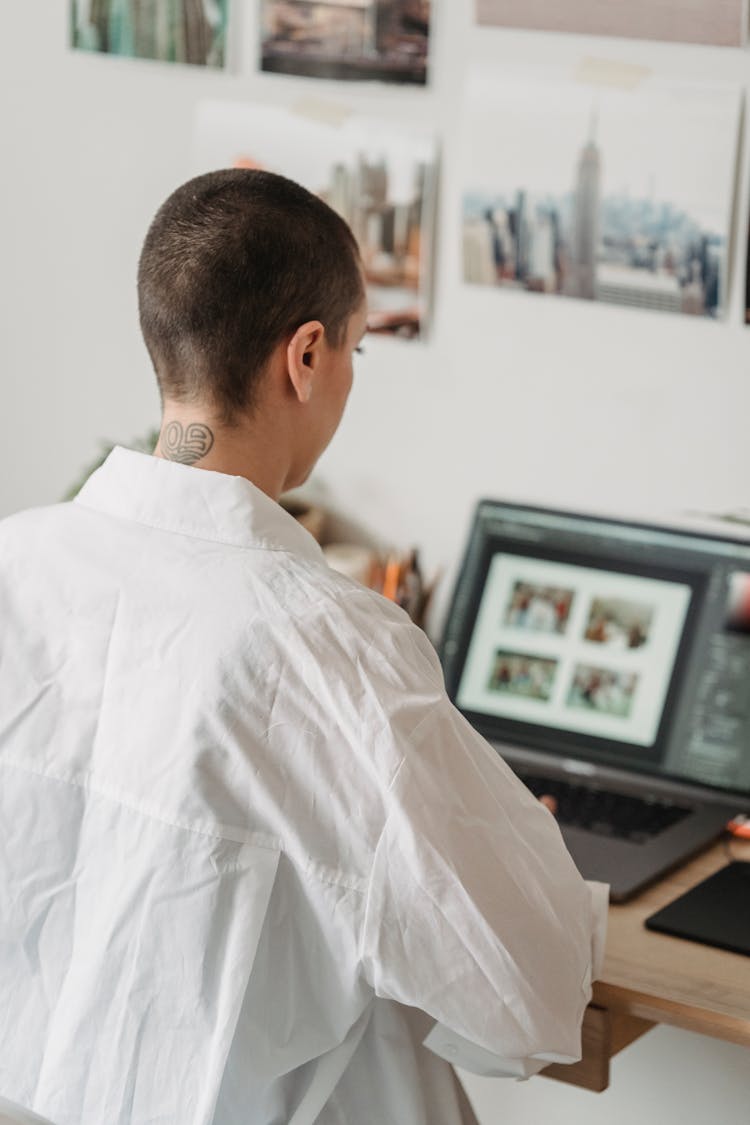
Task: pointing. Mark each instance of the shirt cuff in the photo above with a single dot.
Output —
(452, 1047)
(599, 913)
(460, 1052)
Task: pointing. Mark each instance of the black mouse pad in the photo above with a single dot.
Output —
(716, 912)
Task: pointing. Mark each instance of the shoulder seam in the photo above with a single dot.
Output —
(315, 870)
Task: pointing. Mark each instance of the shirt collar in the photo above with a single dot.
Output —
(196, 502)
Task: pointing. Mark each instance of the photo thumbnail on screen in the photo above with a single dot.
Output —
(619, 623)
(603, 690)
(523, 674)
(540, 609)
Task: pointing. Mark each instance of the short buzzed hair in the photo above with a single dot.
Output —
(233, 263)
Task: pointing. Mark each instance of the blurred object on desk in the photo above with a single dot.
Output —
(404, 584)
(352, 549)
(355, 562)
(396, 576)
(311, 516)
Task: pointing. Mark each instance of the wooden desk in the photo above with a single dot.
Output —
(651, 978)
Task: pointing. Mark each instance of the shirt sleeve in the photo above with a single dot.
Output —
(476, 913)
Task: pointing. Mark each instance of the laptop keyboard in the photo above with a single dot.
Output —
(606, 813)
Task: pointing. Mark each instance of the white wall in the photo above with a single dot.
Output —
(592, 407)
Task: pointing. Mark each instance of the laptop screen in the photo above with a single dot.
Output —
(616, 643)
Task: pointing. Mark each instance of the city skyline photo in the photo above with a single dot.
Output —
(601, 198)
(379, 177)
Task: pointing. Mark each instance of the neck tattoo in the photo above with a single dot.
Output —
(186, 445)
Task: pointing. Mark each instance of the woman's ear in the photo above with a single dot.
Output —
(303, 356)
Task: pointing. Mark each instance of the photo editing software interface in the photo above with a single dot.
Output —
(617, 643)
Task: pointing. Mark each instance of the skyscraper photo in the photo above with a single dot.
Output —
(595, 193)
(380, 177)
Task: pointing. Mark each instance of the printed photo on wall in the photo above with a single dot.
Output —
(181, 31)
(384, 40)
(597, 192)
(722, 23)
(379, 177)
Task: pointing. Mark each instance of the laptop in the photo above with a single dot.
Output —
(608, 662)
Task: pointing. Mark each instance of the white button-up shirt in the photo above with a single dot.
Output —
(250, 854)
